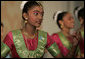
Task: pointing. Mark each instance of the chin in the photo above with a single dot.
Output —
(37, 25)
(72, 27)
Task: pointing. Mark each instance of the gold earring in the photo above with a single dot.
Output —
(25, 21)
(62, 26)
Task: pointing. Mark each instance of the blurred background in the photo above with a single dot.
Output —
(11, 14)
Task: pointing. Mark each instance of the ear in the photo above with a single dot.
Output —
(81, 20)
(60, 22)
(25, 15)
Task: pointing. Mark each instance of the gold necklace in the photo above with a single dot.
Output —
(28, 36)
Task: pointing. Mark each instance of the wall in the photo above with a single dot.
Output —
(11, 14)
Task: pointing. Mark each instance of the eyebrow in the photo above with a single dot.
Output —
(37, 11)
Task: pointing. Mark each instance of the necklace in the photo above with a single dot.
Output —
(28, 36)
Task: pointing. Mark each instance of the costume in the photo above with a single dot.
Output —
(64, 43)
(81, 44)
(21, 47)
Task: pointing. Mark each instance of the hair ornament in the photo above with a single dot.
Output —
(22, 4)
(76, 11)
(56, 15)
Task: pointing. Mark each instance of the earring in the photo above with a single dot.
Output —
(62, 26)
(26, 18)
(25, 21)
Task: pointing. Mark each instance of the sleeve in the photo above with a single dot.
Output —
(52, 47)
(63, 50)
(81, 48)
(8, 40)
(6, 45)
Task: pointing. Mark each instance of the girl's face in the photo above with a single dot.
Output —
(81, 21)
(68, 21)
(35, 16)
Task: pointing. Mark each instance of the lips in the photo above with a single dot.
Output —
(39, 22)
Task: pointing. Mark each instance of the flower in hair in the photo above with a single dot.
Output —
(56, 15)
(76, 11)
(22, 5)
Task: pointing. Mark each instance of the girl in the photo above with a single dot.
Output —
(29, 42)
(79, 13)
(8, 56)
(67, 44)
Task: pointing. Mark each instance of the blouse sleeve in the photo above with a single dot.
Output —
(6, 45)
(51, 46)
(63, 50)
(9, 40)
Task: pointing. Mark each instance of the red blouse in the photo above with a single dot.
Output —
(31, 44)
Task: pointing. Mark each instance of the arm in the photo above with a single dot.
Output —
(6, 45)
(53, 48)
(4, 49)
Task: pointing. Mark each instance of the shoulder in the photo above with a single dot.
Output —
(41, 31)
(9, 34)
(15, 30)
(55, 37)
(55, 34)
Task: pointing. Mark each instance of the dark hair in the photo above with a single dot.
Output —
(81, 13)
(2, 24)
(29, 5)
(60, 17)
(75, 9)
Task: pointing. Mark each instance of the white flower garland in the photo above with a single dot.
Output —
(56, 15)
(76, 11)
(22, 4)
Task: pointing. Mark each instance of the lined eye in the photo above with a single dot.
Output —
(35, 13)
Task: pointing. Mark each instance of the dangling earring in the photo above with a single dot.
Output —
(26, 20)
(62, 26)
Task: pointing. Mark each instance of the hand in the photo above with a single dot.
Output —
(75, 42)
(77, 36)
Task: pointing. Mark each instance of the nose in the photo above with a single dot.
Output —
(73, 20)
(40, 17)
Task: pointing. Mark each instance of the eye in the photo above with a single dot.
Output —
(70, 18)
(36, 14)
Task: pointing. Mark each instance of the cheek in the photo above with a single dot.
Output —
(32, 18)
(81, 21)
(67, 24)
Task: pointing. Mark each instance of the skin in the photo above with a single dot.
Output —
(68, 23)
(35, 17)
(81, 28)
(81, 22)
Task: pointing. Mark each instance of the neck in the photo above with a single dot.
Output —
(30, 29)
(82, 27)
(66, 31)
